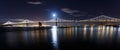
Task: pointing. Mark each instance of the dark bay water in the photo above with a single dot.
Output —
(82, 37)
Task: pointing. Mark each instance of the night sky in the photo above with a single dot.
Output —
(65, 9)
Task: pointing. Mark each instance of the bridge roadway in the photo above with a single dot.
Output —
(86, 22)
(70, 23)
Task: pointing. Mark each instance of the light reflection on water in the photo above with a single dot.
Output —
(54, 35)
(84, 34)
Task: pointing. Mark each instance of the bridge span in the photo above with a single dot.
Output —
(100, 20)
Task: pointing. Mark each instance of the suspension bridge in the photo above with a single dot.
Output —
(99, 20)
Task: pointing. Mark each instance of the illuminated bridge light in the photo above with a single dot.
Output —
(8, 22)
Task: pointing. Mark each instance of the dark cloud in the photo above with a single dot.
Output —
(72, 12)
(76, 15)
(34, 3)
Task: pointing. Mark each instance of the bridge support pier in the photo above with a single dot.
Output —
(56, 22)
